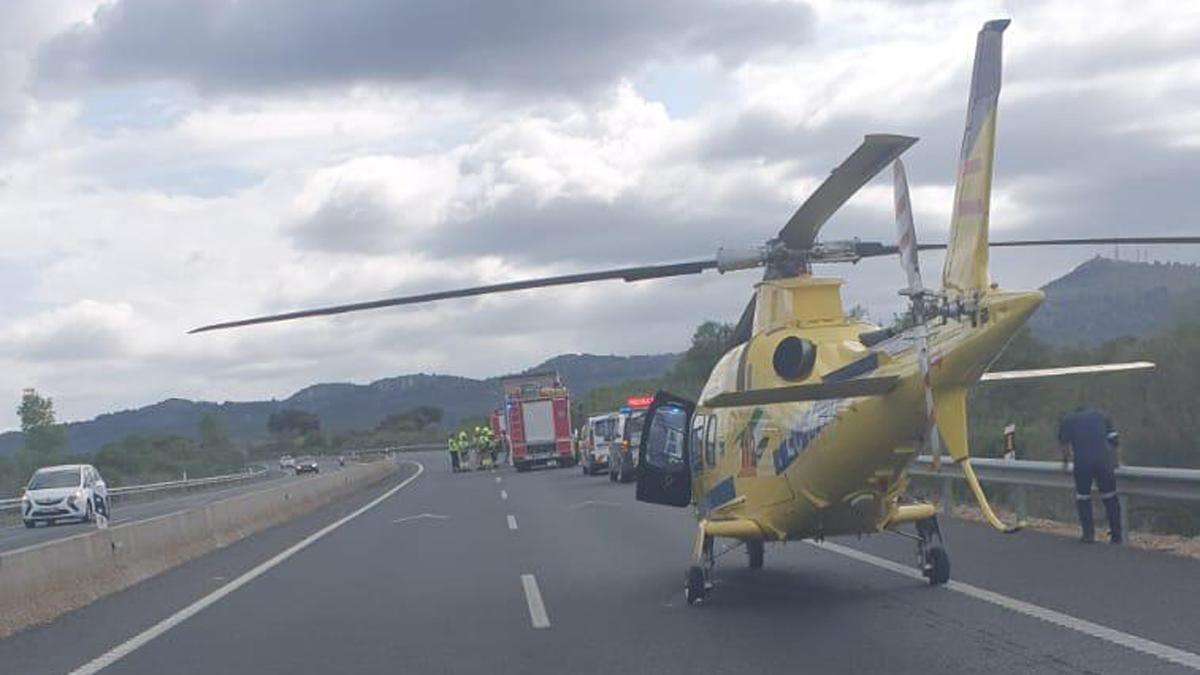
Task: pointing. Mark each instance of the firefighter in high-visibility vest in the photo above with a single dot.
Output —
(464, 445)
(455, 454)
(485, 441)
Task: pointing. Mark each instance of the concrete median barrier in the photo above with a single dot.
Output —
(41, 582)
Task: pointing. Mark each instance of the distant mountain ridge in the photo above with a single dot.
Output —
(343, 406)
(1104, 299)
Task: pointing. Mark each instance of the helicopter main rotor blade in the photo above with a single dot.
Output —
(628, 274)
(1102, 241)
(876, 152)
(874, 250)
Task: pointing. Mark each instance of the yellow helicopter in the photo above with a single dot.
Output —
(808, 424)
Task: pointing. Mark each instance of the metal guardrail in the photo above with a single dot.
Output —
(1132, 481)
(188, 484)
(1138, 481)
(404, 448)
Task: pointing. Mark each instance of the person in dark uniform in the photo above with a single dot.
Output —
(1088, 434)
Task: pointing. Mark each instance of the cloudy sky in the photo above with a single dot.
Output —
(169, 163)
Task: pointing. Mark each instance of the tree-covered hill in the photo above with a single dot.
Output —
(345, 406)
(1105, 299)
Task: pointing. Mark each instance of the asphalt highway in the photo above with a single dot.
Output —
(552, 572)
(16, 535)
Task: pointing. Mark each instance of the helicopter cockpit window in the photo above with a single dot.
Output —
(697, 442)
(665, 444)
(710, 442)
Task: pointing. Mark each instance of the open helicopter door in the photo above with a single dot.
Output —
(664, 473)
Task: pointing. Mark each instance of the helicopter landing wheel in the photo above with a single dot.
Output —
(937, 566)
(931, 555)
(696, 589)
(755, 549)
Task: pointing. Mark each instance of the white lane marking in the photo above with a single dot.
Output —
(504, 494)
(129, 646)
(420, 516)
(512, 522)
(1111, 635)
(593, 502)
(497, 479)
(533, 598)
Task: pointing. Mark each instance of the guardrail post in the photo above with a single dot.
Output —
(1022, 505)
(947, 494)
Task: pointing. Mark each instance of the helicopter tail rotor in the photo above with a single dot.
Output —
(906, 244)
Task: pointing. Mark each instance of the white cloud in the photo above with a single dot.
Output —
(84, 330)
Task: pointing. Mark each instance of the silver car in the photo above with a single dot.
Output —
(66, 492)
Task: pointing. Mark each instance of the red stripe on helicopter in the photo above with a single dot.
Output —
(970, 207)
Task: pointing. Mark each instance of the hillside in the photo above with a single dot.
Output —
(1103, 299)
(344, 406)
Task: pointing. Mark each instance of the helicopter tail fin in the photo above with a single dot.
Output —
(966, 267)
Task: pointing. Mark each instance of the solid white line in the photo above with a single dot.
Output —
(129, 646)
(504, 494)
(533, 597)
(1111, 635)
(512, 522)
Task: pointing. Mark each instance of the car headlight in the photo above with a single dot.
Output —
(24, 497)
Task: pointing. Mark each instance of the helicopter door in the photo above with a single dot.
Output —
(664, 473)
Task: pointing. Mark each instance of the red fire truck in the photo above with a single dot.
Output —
(536, 420)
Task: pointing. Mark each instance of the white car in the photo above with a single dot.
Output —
(286, 462)
(66, 492)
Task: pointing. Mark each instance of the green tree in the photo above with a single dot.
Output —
(212, 432)
(416, 419)
(43, 434)
(146, 459)
(292, 422)
(709, 343)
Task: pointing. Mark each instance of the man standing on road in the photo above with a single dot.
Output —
(1088, 434)
(454, 454)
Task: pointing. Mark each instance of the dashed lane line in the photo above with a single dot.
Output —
(504, 494)
(512, 522)
(1110, 635)
(533, 598)
(129, 646)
